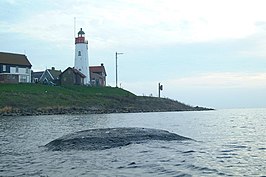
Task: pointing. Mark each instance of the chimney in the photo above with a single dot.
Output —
(53, 68)
(101, 64)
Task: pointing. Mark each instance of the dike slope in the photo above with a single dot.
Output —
(35, 99)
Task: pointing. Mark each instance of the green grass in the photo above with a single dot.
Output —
(36, 95)
(27, 99)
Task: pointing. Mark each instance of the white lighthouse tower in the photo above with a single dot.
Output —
(81, 56)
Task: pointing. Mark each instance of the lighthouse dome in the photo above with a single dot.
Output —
(81, 32)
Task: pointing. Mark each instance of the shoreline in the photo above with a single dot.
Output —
(9, 112)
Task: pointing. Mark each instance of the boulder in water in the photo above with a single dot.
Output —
(99, 139)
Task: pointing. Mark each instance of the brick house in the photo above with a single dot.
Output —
(98, 75)
(71, 76)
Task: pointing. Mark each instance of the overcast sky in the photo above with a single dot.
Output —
(205, 52)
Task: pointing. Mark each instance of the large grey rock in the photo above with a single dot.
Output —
(98, 139)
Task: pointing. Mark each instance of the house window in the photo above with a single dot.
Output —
(4, 67)
(27, 70)
(16, 69)
(93, 81)
(36, 80)
(79, 53)
(23, 78)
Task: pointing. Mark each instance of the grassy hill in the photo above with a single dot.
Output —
(35, 99)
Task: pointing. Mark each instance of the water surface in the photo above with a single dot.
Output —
(228, 143)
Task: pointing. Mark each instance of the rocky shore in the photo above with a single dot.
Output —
(147, 106)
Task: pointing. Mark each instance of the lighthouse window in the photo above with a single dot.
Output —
(79, 53)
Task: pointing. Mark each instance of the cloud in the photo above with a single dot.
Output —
(51, 26)
(207, 81)
(151, 22)
(11, 1)
(255, 45)
(221, 80)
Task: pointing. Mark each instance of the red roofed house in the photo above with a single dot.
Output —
(14, 68)
(98, 75)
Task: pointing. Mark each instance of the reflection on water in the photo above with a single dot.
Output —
(229, 143)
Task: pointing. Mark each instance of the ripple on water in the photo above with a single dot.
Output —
(236, 146)
(227, 153)
(203, 170)
(262, 149)
(188, 152)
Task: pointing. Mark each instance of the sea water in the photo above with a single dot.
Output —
(227, 143)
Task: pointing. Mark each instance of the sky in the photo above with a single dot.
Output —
(205, 53)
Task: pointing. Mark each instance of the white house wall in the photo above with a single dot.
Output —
(24, 74)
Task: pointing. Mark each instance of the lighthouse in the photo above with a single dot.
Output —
(81, 56)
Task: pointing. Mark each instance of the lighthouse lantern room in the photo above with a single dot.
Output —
(81, 56)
